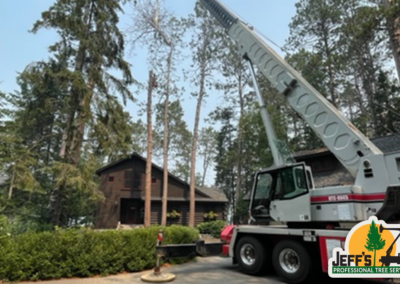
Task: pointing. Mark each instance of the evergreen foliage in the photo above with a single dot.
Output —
(83, 253)
(213, 228)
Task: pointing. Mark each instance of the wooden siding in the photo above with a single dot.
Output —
(109, 211)
(183, 208)
(176, 189)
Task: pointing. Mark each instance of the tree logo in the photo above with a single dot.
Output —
(370, 252)
(374, 240)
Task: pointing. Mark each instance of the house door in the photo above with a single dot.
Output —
(130, 211)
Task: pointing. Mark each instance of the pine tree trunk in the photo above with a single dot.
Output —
(74, 94)
(367, 79)
(206, 163)
(71, 149)
(147, 205)
(393, 28)
(82, 119)
(166, 143)
(359, 97)
(56, 198)
(240, 142)
(10, 190)
(194, 146)
(330, 72)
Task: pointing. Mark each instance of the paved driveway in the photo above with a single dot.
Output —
(204, 271)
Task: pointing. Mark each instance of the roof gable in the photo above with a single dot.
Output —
(170, 175)
(214, 194)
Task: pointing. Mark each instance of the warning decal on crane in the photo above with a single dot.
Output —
(370, 252)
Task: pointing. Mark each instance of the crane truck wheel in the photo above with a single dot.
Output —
(292, 261)
(251, 255)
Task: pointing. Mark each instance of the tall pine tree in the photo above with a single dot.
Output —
(92, 45)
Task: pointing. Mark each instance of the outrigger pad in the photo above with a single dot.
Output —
(391, 206)
(158, 278)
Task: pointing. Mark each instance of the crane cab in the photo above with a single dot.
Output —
(282, 194)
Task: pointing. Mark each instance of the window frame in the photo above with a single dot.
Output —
(274, 172)
(136, 179)
(307, 188)
(270, 187)
(125, 180)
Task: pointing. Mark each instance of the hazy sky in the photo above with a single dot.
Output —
(18, 47)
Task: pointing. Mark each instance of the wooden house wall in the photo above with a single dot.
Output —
(108, 213)
(176, 189)
(183, 208)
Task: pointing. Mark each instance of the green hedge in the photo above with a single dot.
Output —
(213, 228)
(82, 253)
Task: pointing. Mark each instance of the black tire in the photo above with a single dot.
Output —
(297, 256)
(256, 264)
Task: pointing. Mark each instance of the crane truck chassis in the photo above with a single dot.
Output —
(295, 254)
(311, 222)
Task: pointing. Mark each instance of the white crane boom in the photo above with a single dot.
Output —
(341, 137)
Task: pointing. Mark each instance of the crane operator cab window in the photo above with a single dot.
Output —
(278, 184)
(262, 193)
(291, 182)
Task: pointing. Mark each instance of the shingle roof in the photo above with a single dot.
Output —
(340, 176)
(310, 152)
(386, 144)
(214, 193)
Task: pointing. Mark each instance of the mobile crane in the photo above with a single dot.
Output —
(313, 220)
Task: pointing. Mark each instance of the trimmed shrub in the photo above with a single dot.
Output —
(83, 253)
(212, 228)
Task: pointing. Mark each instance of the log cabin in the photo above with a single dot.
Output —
(123, 185)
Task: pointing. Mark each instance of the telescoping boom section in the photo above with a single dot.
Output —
(376, 190)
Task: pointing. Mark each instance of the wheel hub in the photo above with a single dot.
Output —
(289, 260)
(248, 254)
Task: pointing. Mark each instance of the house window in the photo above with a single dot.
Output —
(132, 179)
(137, 179)
(153, 180)
(110, 179)
(128, 177)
